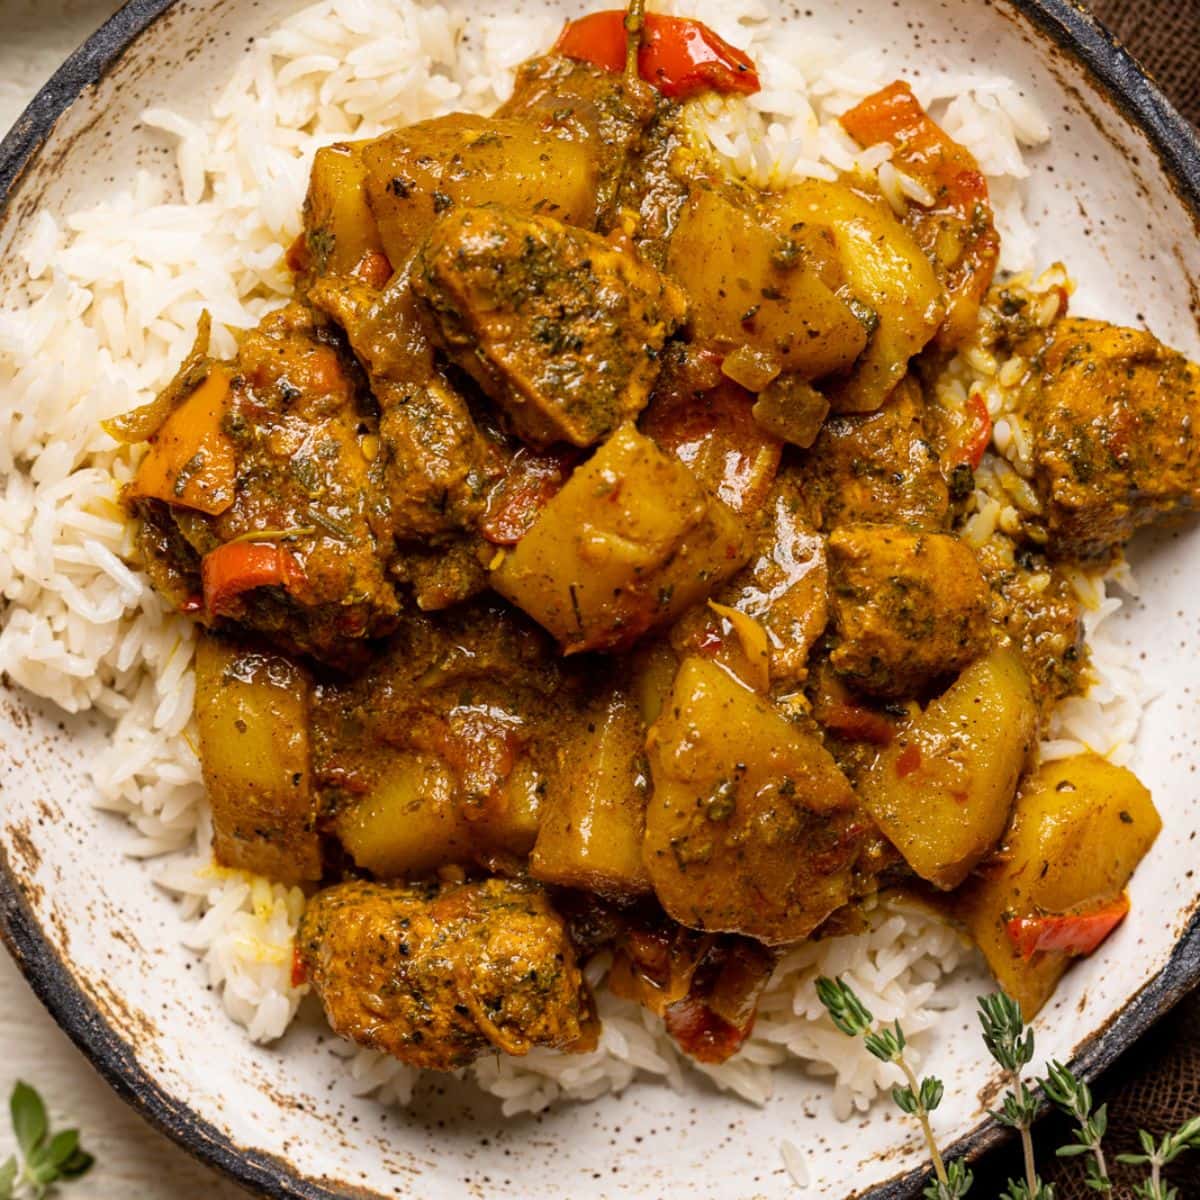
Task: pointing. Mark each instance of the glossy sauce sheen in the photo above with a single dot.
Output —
(579, 561)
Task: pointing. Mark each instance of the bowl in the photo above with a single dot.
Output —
(1117, 195)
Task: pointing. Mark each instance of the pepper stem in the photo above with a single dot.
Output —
(635, 20)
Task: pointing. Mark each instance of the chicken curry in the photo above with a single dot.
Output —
(581, 563)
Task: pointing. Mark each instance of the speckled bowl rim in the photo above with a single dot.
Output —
(1075, 31)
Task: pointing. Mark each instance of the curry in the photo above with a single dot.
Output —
(580, 563)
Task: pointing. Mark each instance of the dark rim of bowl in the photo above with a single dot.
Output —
(1070, 26)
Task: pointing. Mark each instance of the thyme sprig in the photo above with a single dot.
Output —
(1074, 1097)
(1159, 1155)
(917, 1098)
(1010, 1042)
(1011, 1045)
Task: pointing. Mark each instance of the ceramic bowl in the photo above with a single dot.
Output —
(1117, 195)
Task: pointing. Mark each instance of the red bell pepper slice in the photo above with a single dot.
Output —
(716, 436)
(857, 723)
(979, 435)
(678, 55)
(701, 1033)
(1067, 933)
(531, 482)
(238, 567)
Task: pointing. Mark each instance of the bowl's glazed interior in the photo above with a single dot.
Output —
(102, 944)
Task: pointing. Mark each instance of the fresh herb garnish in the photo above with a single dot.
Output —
(1158, 1155)
(1010, 1043)
(917, 1098)
(46, 1158)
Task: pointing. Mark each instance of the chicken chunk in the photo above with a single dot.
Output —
(1115, 443)
(560, 327)
(433, 466)
(1034, 603)
(438, 978)
(908, 607)
(879, 467)
(294, 549)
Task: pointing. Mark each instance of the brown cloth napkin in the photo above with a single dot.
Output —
(1156, 1084)
(1164, 36)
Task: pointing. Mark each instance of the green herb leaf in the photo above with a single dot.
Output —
(46, 1158)
(8, 1177)
(886, 1044)
(79, 1164)
(958, 1183)
(28, 1117)
(1004, 1033)
(848, 1012)
(62, 1147)
(932, 1091)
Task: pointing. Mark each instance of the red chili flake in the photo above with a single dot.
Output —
(909, 761)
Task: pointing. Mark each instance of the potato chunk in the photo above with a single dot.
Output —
(886, 271)
(1115, 441)
(749, 285)
(559, 326)
(418, 172)
(595, 818)
(339, 227)
(1079, 830)
(410, 822)
(431, 756)
(957, 230)
(630, 542)
(437, 978)
(751, 827)
(942, 791)
(908, 607)
(604, 113)
(252, 714)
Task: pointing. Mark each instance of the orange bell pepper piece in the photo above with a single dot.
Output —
(238, 567)
(192, 461)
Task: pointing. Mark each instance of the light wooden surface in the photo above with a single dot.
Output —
(132, 1160)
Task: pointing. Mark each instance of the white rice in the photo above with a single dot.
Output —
(112, 297)
(894, 966)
